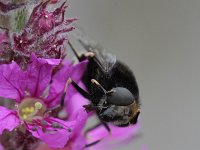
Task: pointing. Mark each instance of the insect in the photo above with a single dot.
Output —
(112, 87)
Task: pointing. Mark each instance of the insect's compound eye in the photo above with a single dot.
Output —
(120, 96)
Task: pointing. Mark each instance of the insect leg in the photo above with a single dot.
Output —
(93, 128)
(106, 126)
(74, 51)
(80, 90)
(60, 106)
(92, 144)
(83, 56)
(90, 129)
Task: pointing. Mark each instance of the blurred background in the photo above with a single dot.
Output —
(160, 41)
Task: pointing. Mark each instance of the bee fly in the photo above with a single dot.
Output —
(112, 87)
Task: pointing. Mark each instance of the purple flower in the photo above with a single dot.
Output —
(75, 110)
(44, 35)
(34, 95)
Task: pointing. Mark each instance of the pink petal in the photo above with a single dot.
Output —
(81, 119)
(58, 84)
(8, 119)
(78, 143)
(77, 140)
(1, 147)
(12, 81)
(55, 138)
(75, 104)
(39, 74)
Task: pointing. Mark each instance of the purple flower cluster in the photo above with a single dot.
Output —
(44, 35)
(33, 81)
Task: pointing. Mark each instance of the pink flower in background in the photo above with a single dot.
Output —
(34, 95)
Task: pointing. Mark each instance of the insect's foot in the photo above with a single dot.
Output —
(89, 54)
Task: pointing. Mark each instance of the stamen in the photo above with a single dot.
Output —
(44, 122)
(24, 116)
(30, 109)
(34, 129)
(38, 105)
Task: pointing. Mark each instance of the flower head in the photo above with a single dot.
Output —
(35, 95)
(44, 35)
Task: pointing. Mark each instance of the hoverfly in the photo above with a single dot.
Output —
(112, 87)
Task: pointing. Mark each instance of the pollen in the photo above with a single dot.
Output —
(38, 105)
(31, 108)
(24, 116)
(28, 110)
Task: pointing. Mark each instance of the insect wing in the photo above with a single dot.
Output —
(105, 60)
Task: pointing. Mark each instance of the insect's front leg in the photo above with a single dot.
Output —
(55, 110)
(79, 89)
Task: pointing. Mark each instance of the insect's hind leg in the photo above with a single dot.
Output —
(91, 144)
(94, 142)
(93, 128)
